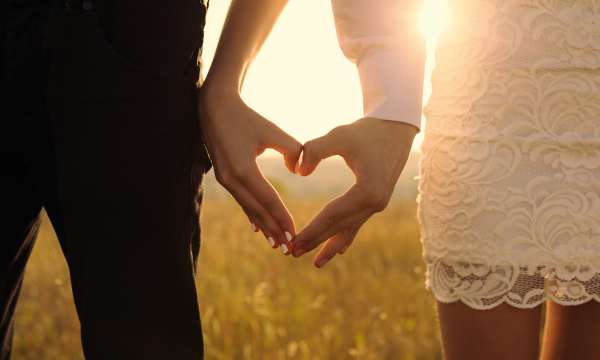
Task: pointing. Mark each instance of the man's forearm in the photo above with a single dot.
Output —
(247, 26)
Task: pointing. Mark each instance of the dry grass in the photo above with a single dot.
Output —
(257, 304)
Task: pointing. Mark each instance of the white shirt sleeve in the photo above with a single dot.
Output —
(383, 39)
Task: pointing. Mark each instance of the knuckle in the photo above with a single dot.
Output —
(240, 172)
(262, 217)
(380, 204)
(271, 204)
(311, 151)
(329, 222)
(308, 147)
(223, 177)
(282, 221)
(340, 132)
(295, 147)
(270, 226)
(296, 150)
(373, 199)
(252, 213)
(281, 218)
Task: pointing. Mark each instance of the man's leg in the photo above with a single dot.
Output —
(127, 142)
(23, 154)
(20, 224)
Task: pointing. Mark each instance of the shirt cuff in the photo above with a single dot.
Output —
(392, 85)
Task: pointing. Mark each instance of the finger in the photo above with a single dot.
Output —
(268, 197)
(252, 222)
(257, 213)
(351, 235)
(337, 244)
(282, 142)
(333, 218)
(318, 149)
(256, 227)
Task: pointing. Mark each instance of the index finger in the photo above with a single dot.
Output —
(333, 218)
(285, 144)
(265, 194)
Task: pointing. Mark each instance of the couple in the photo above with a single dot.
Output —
(509, 174)
(124, 133)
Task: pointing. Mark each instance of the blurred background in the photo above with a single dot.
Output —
(369, 303)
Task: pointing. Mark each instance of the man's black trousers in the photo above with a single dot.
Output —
(111, 148)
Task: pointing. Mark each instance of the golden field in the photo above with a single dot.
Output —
(369, 303)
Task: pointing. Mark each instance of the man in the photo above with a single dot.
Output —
(116, 159)
(123, 191)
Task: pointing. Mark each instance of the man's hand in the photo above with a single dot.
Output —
(235, 135)
(376, 151)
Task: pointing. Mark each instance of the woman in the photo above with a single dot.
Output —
(509, 179)
(509, 174)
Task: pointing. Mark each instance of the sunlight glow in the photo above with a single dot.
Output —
(300, 80)
(434, 18)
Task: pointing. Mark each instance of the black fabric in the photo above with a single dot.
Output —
(118, 168)
(28, 172)
(24, 48)
(153, 34)
(20, 222)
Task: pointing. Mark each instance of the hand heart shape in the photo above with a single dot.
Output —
(375, 150)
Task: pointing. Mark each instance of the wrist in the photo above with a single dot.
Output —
(393, 126)
(219, 91)
(220, 85)
(226, 77)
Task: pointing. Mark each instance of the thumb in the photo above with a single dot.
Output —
(285, 144)
(318, 149)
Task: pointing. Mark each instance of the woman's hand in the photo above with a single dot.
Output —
(235, 135)
(376, 151)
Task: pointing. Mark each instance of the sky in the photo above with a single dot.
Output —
(300, 80)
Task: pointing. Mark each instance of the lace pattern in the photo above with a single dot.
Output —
(517, 286)
(509, 186)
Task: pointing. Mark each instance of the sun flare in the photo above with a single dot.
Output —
(301, 80)
(434, 18)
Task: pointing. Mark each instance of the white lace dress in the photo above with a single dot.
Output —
(509, 191)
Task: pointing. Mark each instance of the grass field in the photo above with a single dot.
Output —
(257, 304)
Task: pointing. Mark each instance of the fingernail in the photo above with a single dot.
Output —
(322, 262)
(344, 249)
(288, 236)
(254, 228)
(271, 241)
(284, 249)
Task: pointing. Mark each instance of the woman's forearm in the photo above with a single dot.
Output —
(247, 25)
